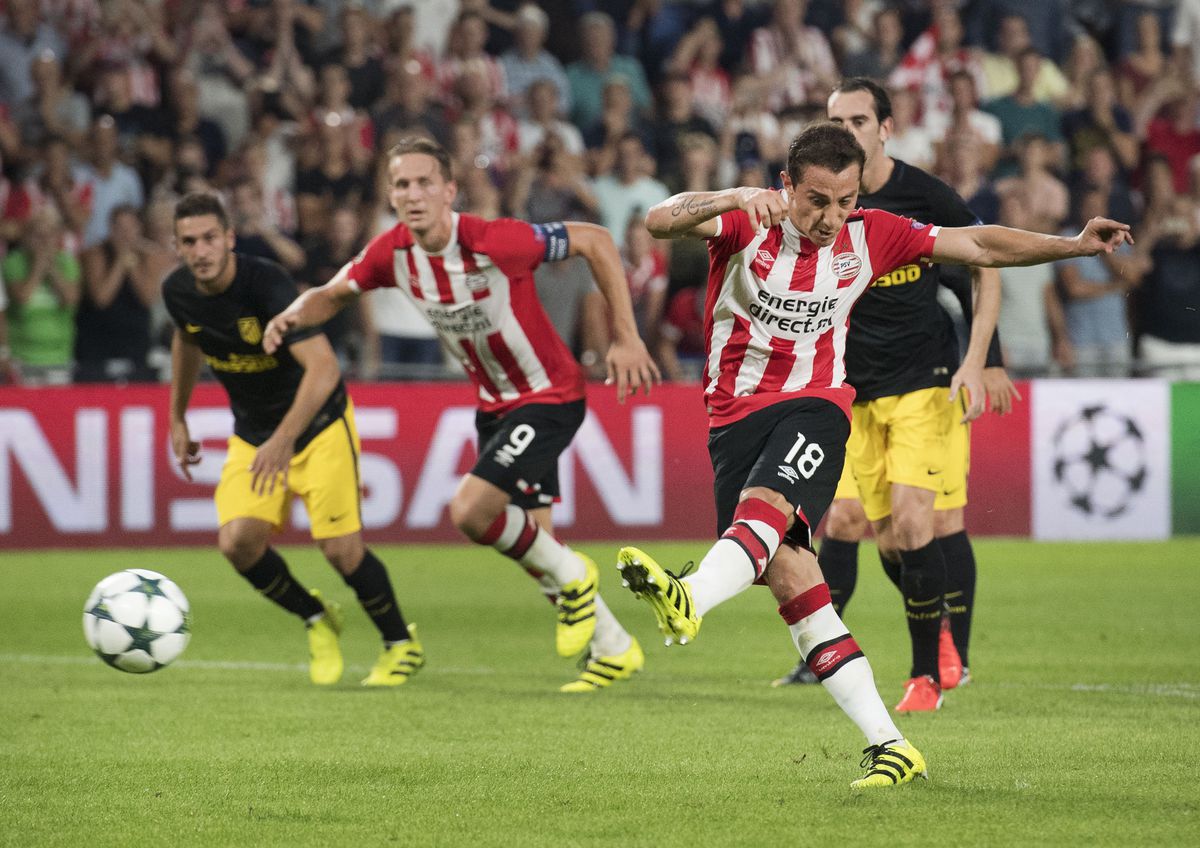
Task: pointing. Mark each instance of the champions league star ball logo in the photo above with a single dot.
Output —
(1100, 461)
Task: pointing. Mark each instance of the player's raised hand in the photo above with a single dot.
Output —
(277, 328)
(970, 379)
(187, 452)
(270, 465)
(1103, 235)
(766, 207)
(630, 366)
(1000, 390)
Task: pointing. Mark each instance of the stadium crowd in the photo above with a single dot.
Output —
(1040, 114)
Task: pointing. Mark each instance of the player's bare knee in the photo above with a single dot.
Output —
(344, 553)
(240, 547)
(846, 521)
(470, 517)
(947, 522)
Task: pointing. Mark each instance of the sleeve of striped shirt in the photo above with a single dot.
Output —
(515, 246)
(894, 241)
(733, 233)
(373, 268)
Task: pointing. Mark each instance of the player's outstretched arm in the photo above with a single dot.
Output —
(692, 214)
(629, 365)
(1002, 247)
(313, 307)
(186, 359)
(985, 312)
(321, 376)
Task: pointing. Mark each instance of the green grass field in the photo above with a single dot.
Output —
(1080, 727)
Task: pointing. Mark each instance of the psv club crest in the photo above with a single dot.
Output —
(250, 330)
(846, 266)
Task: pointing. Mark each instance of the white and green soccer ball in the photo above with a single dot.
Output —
(136, 620)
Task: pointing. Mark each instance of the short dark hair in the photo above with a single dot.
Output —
(199, 203)
(420, 144)
(826, 145)
(883, 102)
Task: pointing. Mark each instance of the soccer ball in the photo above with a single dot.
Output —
(136, 620)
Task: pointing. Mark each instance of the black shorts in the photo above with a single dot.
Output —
(795, 447)
(519, 450)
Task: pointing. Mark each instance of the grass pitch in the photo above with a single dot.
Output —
(1079, 729)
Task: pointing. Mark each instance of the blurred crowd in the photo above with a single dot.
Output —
(1040, 114)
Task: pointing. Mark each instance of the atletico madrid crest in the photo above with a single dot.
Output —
(250, 330)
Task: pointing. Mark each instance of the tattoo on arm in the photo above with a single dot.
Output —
(692, 205)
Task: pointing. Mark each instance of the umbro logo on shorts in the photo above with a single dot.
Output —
(790, 473)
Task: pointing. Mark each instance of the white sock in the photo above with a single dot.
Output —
(723, 573)
(516, 535)
(834, 656)
(611, 638)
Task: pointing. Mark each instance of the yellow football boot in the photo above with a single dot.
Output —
(891, 764)
(398, 663)
(325, 656)
(599, 672)
(670, 599)
(576, 604)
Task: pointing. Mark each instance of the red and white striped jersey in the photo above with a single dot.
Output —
(778, 307)
(478, 293)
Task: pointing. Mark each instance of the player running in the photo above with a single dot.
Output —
(786, 268)
(473, 280)
(293, 435)
(909, 449)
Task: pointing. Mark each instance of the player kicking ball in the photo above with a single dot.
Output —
(473, 281)
(786, 270)
(293, 435)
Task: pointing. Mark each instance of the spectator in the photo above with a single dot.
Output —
(964, 172)
(1185, 39)
(933, 57)
(551, 185)
(882, 54)
(112, 336)
(573, 302)
(1102, 122)
(333, 98)
(1029, 298)
(795, 61)
(1147, 63)
(465, 49)
(652, 31)
(1000, 68)
(598, 66)
(1047, 22)
(544, 119)
(676, 119)
(627, 188)
(1046, 200)
(1084, 59)
(909, 140)
(528, 62)
(54, 108)
(61, 181)
(222, 72)
(188, 123)
(1169, 302)
(1095, 289)
(698, 55)
(1174, 133)
(1021, 113)
(408, 102)
(1100, 172)
(42, 281)
(736, 20)
(329, 173)
(144, 132)
(25, 36)
(617, 120)
(646, 271)
(967, 120)
(326, 254)
(682, 343)
(255, 234)
(753, 131)
(113, 182)
(131, 37)
(358, 56)
(497, 128)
